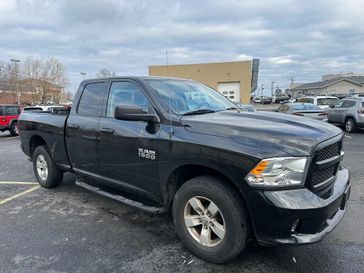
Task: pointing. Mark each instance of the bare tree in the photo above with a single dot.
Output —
(46, 79)
(105, 73)
(11, 76)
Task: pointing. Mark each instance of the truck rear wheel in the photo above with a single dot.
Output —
(46, 172)
(210, 219)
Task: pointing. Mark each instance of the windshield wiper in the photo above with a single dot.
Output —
(199, 112)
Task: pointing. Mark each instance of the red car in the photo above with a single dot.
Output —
(9, 118)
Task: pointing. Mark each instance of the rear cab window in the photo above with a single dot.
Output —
(91, 99)
(1, 111)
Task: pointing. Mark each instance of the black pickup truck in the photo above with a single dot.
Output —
(175, 145)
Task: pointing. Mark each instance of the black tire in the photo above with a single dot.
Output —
(350, 125)
(54, 175)
(233, 214)
(14, 129)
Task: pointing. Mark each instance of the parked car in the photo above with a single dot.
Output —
(307, 110)
(265, 100)
(257, 99)
(281, 99)
(323, 102)
(178, 146)
(246, 107)
(349, 113)
(9, 118)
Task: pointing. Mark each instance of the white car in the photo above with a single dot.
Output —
(323, 102)
(257, 100)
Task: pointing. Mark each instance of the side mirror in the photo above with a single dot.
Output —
(133, 112)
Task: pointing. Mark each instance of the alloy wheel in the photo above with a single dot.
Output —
(42, 167)
(204, 221)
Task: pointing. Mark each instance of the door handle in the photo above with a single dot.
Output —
(107, 131)
(73, 126)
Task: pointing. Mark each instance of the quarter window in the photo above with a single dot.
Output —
(126, 93)
(91, 99)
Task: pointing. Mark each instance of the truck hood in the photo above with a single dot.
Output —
(269, 133)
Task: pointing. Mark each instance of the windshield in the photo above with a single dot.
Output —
(188, 96)
(304, 106)
(327, 101)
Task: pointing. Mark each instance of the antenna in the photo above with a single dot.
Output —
(169, 103)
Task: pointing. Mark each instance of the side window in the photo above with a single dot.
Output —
(126, 93)
(347, 104)
(91, 99)
(12, 110)
(1, 111)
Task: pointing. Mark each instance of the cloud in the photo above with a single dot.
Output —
(303, 39)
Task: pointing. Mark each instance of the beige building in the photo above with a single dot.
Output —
(235, 80)
(340, 86)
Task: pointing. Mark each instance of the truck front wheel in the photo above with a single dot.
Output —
(46, 172)
(210, 219)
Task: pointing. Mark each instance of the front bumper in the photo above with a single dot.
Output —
(298, 216)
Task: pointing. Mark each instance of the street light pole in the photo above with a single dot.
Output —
(16, 61)
(271, 87)
(83, 75)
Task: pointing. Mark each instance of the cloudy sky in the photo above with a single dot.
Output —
(303, 39)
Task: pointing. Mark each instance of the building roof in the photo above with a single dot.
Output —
(357, 80)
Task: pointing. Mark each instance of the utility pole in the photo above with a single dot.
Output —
(16, 61)
(271, 88)
(83, 75)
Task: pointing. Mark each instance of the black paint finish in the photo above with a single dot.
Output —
(226, 143)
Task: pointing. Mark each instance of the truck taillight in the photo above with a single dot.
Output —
(360, 111)
(3, 119)
(323, 114)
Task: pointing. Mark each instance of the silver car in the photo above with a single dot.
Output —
(348, 112)
(307, 110)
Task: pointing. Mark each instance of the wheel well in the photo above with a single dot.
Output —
(13, 121)
(187, 172)
(35, 141)
(184, 173)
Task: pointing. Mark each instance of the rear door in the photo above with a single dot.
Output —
(338, 114)
(127, 149)
(81, 128)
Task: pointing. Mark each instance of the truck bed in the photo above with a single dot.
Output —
(49, 126)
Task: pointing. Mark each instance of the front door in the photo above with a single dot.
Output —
(127, 149)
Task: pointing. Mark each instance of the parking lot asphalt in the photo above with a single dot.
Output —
(69, 229)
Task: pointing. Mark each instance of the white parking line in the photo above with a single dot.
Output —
(17, 183)
(18, 195)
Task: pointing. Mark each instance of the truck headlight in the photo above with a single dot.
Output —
(278, 172)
